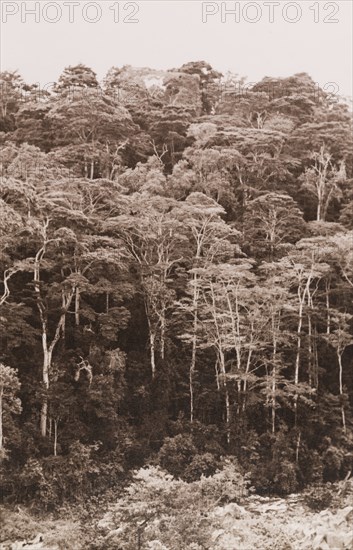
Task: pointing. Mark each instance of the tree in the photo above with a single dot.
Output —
(158, 279)
(212, 242)
(209, 80)
(323, 179)
(154, 244)
(9, 403)
(295, 96)
(225, 316)
(76, 79)
(340, 338)
(342, 244)
(272, 221)
(92, 126)
(12, 90)
(276, 338)
(34, 125)
(303, 268)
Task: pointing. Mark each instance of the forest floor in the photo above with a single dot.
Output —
(260, 523)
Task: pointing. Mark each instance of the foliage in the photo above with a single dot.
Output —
(201, 465)
(159, 510)
(176, 282)
(319, 497)
(176, 454)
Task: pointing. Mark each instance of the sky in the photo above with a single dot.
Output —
(262, 38)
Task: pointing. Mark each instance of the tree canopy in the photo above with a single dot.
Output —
(177, 269)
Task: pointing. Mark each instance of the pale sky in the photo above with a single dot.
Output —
(167, 34)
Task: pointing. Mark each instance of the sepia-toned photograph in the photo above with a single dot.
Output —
(176, 275)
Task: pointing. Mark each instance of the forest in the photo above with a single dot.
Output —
(176, 281)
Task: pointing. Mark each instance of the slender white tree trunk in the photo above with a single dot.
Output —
(153, 352)
(226, 393)
(301, 296)
(47, 355)
(328, 316)
(339, 356)
(318, 211)
(310, 351)
(163, 330)
(56, 422)
(297, 359)
(298, 447)
(274, 371)
(77, 306)
(194, 346)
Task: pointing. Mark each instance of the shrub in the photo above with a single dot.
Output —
(275, 471)
(52, 480)
(205, 464)
(228, 484)
(333, 459)
(310, 467)
(17, 525)
(169, 512)
(318, 498)
(285, 480)
(176, 454)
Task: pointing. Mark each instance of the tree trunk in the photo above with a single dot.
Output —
(163, 327)
(316, 359)
(247, 370)
(274, 372)
(1, 412)
(235, 321)
(328, 316)
(301, 296)
(47, 349)
(273, 399)
(191, 374)
(77, 306)
(318, 211)
(297, 359)
(47, 358)
(310, 351)
(339, 356)
(194, 345)
(228, 413)
(227, 398)
(297, 448)
(56, 422)
(44, 417)
(217, 376)
(153, 353)
(47, 355)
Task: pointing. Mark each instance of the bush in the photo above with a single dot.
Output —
(176, 454)
(318, 498)
(275, 470)
(53, 480)
(333, 459)
(169, 512)
(16, 525)
(205, 464)
(228, 484)
(285, 480)
(166, 511)
(310, 467)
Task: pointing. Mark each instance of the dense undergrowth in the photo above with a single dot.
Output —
(156, 511)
